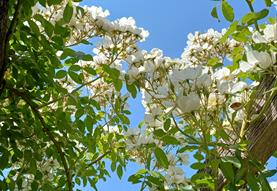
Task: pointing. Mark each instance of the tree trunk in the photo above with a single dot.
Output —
(3, 34)
(262, 133)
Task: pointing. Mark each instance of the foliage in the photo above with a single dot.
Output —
(64, 111)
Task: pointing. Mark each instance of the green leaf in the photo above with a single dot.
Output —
(117, 84)
(34, 185)
(154, 180)
(53, 2)
(214, 13)
(213, 61)
(135, 179)
(264, 183)
(60, 74)
(33, 166)
(90, 70)
(235, 161)
(167, 124)
(198, 156)
(231, 29)
(78, 181)
(68, 12)
(197, 165)
(75, 68)
(75, 77)
(161, 157)
(132, 89)
(170, 140)
(252, 182)
(227, 170)
(159, 133)
(119, 171)
(227, 11)
(268, 3)
(87, 57)
(67, 52)
(269, 173)
(251, 18)
(141, 171)
(4, 157)
(34, 27)
(49, 28)
(27, 155)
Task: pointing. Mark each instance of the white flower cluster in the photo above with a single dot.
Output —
(47, 167)
(202, 47)
(89, 21)
(138, 138)
(273, 184)
(261, 59)
(275, 3)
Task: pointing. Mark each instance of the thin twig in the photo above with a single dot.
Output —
(102, 156)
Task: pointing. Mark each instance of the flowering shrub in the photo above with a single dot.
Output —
(63, 111)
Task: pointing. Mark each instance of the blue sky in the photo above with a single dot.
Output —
(168, 23)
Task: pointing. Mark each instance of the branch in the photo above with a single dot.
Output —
(100, 157)
(35, 111)
(3, 31)
(5, 39)
(14, 21)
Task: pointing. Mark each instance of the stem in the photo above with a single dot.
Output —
(180, 130)
(252, 10)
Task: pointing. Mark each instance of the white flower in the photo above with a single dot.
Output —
(171, 159)
(258, 38)
(133, 72)
(246, 66)
(144, 139)
(149, 66)
(240, 115)
(175, 175)
(214, 100)
(129, 24)
(96, 12)
(188, 73)
(239, 86)
(184, 158)
(224, 86)
(263, 59)
(162, 91)
(270, 32)
(222, 73)
(111, 129)
(188, 103)
(132, 132)
(204, 80)
(273, 185)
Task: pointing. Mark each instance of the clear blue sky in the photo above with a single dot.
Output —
(169, 22)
